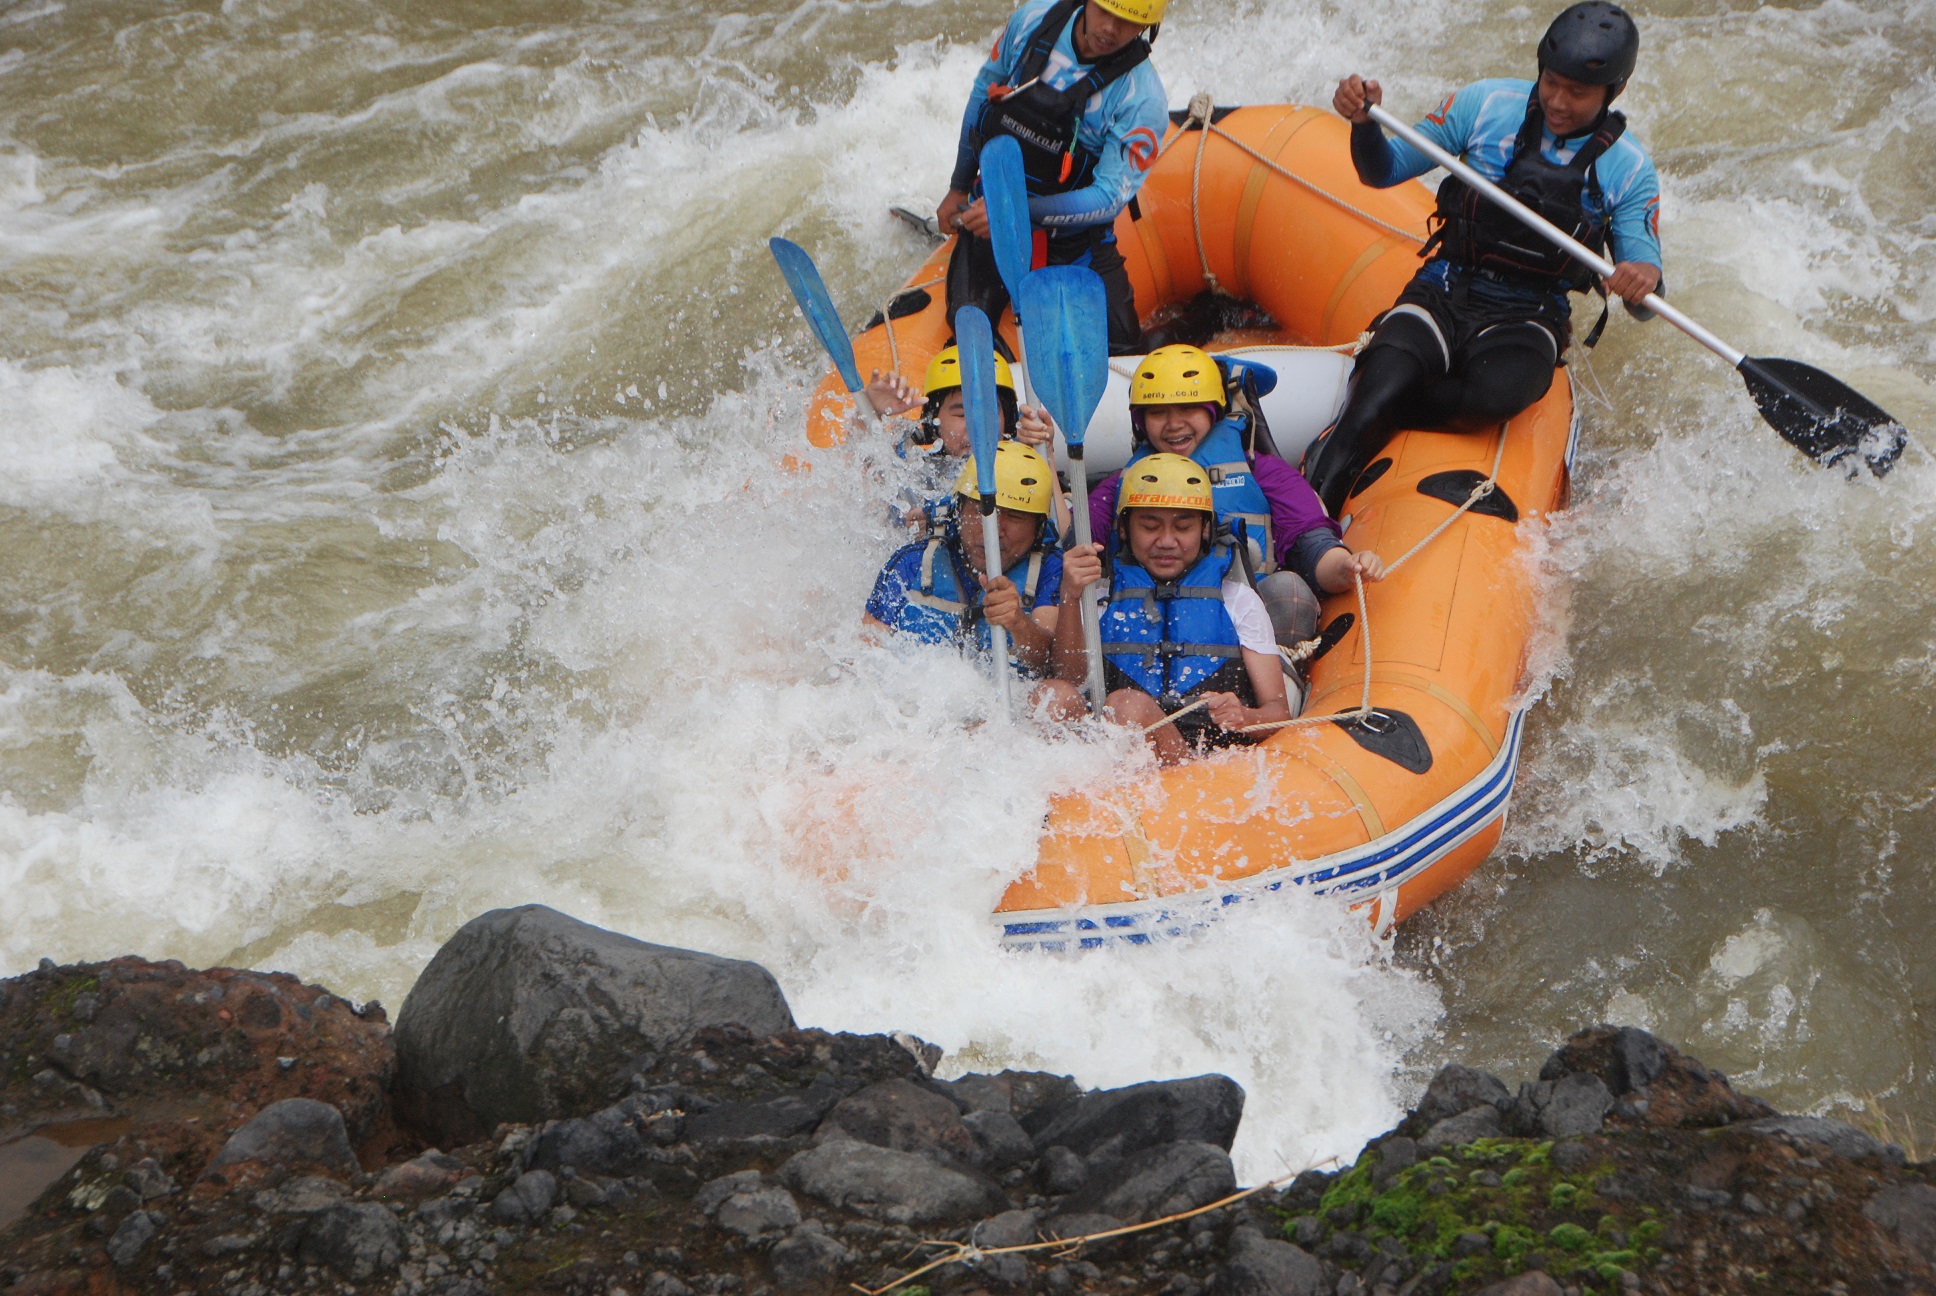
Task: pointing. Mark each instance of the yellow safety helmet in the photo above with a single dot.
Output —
(1177, 375)
(1166, 481)
(944, 372)
(1146, 12)
(1023, 479)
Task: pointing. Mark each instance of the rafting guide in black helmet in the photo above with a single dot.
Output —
(1474, 338)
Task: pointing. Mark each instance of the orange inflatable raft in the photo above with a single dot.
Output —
(1397, 807)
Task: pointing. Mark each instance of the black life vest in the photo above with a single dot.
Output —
(1473, 231)
(1043, 121)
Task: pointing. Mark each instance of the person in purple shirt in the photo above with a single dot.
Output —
(1179, 404)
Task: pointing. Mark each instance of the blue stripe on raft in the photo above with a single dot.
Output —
(1430, 839)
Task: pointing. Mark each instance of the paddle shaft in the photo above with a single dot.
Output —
(991, 556)
(1551, 232)
(1091, 614)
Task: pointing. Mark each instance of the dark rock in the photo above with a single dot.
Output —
(1526, 1284)
(304, 1196)
(758, 1212)
(806, 1261)
(359, 1240)
(1160, 1181)
(1307, 1231)
(1262, 1267)
(611, 1141)
(296, 1132)
(147, 1179)
(423, 1176)
(786, 1116)
(527, 1015)
(1479, 1122)
(1572, 1156)
(135, 1232)
(134, 1032)
(1076, 1224)
(1396, 1155)
(1842, 1140)
(976, 1093)
(1470, 1244)
(1657, 1085)
(904, 1116)
(1625, 1058)
(1575, 1104)
(227, 1244)
(526, 1200)
(1909, 1212)
(1117, 1122)
(1008, 1229)
(1000, 1140)
(662, 1283)
(1456, 1089)
(1063, 1172)
(715, 1191)
(884, 1184)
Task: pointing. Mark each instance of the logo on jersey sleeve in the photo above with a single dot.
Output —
(1653, 217)
(1141, 146)
(1444, 110)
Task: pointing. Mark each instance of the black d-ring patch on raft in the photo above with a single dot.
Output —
(1373, 471)
(1217, 113)
(1328, 637)
(1456, 487)
(1393, 735)
(911, 302)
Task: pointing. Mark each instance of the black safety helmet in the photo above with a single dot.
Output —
(1595, 42)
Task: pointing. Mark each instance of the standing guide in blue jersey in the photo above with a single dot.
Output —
(1072, 82)
(1475, 336)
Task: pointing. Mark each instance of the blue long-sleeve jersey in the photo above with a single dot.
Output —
(1481, 123)
(1122, 126)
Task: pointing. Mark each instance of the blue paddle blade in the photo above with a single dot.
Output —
(1067, 341)
(803, 277)
(1005, 186)
(977, 348)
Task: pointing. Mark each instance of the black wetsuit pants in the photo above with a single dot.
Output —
(1440, 358)
(974, 280)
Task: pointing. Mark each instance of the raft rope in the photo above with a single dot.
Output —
(1303, 650)
(1292, 657)
(1202, 107)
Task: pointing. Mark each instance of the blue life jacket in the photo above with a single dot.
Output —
(1234, 490)
(940, 610)
(1171, 639)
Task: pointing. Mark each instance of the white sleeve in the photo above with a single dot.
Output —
(1248, 615)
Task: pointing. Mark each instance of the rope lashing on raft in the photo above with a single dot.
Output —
(1293, 656)
(1202, 106)
(1365, 708)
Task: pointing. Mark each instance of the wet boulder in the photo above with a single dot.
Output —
(1117, 1122)
(1164, 1180)
(359, 1240)
(893, 1186)
(528, 1015)
(1260, 1266)
(296, 1133)
(1458, 1089)
(904, 1116)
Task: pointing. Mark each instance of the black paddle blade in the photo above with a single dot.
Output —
(1822, 416)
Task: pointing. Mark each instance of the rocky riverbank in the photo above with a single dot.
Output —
(564, 1109)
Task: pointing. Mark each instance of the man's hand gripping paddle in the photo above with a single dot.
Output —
(1004, 186)
(977, 349)
(1816, 413)
(803, 277)
(1069, 354)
